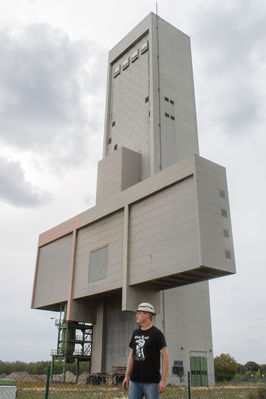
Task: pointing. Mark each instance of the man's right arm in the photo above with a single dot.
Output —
(125, 383)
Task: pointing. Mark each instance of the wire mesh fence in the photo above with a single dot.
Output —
(110, 388)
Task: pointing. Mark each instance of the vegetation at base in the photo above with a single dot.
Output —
(227, 369)
(40, 368)
(225, 366)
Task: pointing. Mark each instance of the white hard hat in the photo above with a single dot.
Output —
(146, 307)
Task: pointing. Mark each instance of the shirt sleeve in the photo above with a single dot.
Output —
(131, 343)
(161, 340)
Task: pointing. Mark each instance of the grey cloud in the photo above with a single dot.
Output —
(231, 38)
(15, 190)
(45, 78)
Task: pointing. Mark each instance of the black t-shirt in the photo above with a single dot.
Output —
(146, 345)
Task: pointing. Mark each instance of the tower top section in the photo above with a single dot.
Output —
(150, 101)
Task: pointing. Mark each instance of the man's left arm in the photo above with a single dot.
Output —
(165, 361)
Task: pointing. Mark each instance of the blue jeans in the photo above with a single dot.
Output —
(139, 389)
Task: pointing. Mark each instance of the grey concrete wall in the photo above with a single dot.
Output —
(118, 330)
(106, 232)
(163, 233)
(165, 70)
(118, 171)
(216, 242)
(187, 324)
(179, 129)
(53, 272)
(128, 111)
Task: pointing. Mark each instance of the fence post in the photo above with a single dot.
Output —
(188, 385)
(47, 381)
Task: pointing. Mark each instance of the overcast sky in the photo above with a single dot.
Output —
(53, 60)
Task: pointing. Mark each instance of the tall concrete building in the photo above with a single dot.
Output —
(161, 225)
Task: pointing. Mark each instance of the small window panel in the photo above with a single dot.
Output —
(222, 193)
(172, 117)
(135, 56)
(172, 102)
(117, 71)
(113, 123)
(98, 262)
(228, 254)
(167, 115)
(226, 233)
(110, 140)
(115, 147)
(147, 99)
(144, 47)
(166, 99)
(125, 64)
(224, 213)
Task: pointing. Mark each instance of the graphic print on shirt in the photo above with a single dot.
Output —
(140, 343)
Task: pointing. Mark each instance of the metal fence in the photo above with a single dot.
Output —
(177, 388)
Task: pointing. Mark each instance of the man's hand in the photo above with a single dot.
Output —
(161, 386)
(125, 383)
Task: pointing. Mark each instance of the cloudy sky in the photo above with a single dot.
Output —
(53, 59)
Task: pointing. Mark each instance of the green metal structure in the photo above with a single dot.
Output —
(74, 342)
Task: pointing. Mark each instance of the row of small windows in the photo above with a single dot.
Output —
(169, 100)
(169, 116)
(133, 58)
(110, 141)
(226, 234)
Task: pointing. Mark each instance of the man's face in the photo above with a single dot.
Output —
(141, 317)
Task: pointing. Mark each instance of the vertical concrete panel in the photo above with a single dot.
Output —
(118, 330)
(163, 233)
(98, 343)
(118, 171)
(105, 232)
(53, 272)
(130, 98)
(214, 216)
(188, 324)
(178, 110)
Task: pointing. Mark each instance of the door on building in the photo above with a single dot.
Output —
(199, 371)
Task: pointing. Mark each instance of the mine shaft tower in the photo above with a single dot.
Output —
(161, 225)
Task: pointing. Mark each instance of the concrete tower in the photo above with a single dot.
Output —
(161, 225)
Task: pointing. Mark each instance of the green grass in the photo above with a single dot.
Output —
(71, 391)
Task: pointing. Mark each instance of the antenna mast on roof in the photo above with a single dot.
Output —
(156, 8)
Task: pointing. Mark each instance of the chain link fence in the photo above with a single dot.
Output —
(106, 387)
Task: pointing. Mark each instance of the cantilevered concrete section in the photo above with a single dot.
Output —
(169, 230)
(161, 226)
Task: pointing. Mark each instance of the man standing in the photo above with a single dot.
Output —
(143, 367)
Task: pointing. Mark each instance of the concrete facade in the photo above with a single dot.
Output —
(161, 226)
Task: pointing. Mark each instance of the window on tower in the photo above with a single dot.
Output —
(135, 56)
(117, 71)
(144, 47)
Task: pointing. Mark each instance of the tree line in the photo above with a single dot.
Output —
(227, 368)
(40, 367)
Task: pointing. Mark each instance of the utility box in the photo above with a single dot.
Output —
(8, 389)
